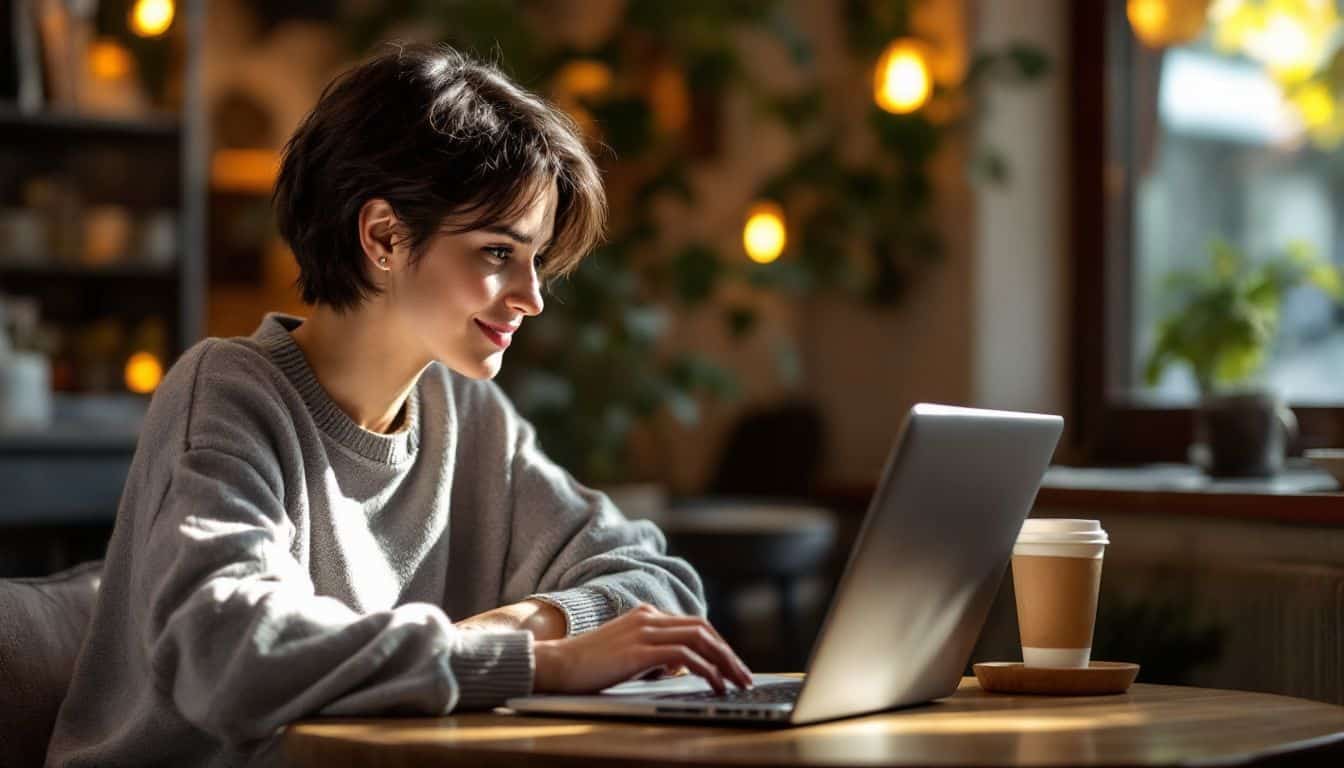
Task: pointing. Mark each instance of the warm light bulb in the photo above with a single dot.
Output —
(764, 235)
(902, 82)
(1161, 23)
(584, 79)
(151, 18)
(143, 373)
(108, 60)
(1147, 17)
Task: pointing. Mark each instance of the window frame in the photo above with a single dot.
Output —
(1106, 429)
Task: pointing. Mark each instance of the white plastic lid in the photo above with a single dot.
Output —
(1052, 531)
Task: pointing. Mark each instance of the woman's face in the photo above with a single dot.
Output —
(467, 295)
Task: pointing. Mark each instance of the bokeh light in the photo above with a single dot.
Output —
(764, 234)
(1290, 37)
(143, 373)
(583, 79)
(1162, 23)
(902, 83)
(151, 18)
(109, 61)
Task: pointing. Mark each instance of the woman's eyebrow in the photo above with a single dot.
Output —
(509, 232)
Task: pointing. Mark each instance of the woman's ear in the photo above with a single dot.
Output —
(379, 234)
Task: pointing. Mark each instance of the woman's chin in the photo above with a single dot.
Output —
(487, 368)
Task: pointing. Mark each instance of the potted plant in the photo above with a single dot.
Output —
(1225, 321)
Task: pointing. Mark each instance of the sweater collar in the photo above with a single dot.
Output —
(274, 336)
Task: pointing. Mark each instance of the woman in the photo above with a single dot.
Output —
(342, 515)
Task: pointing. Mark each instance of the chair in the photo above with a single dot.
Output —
(773, 452)
(42, 626)
(758, 523)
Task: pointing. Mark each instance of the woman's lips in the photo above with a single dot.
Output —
(499, 335)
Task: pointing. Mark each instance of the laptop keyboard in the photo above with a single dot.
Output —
(771, 693)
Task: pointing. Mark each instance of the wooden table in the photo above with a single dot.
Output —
(1150, 725)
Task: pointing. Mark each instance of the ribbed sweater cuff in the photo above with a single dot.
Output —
(585, 608)
(491, 667)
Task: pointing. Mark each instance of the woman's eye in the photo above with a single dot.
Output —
(499, 253)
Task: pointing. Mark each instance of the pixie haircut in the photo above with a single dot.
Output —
(434, 133)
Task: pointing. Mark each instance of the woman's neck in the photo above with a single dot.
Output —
(360, 359)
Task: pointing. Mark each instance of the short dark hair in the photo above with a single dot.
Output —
(433, 132)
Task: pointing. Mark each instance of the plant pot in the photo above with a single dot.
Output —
(1247, 433)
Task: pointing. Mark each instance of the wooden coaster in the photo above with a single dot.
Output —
(1101, 677)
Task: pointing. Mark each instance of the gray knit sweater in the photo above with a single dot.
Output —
(272, 560)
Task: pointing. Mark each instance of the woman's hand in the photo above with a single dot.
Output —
(631, 645)
(543, 620)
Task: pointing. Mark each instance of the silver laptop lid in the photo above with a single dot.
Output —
(929, 559)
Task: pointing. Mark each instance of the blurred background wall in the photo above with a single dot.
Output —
(982, 326)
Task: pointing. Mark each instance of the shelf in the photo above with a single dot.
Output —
(1301, 495)
(77, 271)
(82, 424)
(67, 441)
(62, 126)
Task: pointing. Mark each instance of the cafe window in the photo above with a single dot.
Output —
(1221, 128)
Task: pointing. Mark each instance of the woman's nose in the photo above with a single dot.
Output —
(526, 296)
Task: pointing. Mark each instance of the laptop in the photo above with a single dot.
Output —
(920, 580)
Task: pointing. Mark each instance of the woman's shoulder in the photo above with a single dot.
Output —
(219, 362)
(220, 383)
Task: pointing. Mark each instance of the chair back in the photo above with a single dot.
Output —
(775, 452)
(42, 626)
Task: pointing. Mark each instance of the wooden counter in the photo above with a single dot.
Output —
(1301, 495)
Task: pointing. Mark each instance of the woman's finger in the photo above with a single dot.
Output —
(706, 643)
(670, 621)
(668, 655)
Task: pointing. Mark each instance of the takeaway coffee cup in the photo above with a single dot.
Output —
(1056, 575)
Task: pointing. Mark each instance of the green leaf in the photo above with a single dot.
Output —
(740, 321)
(1237, 363)
(697, 373)
(1262, 292)
(1327, 279)
(797, 110)
(592, 339)
(1028, 62)
(788, 363)
(1301, 254)
(627, 124)
(1227, 260)
(990, 165)
(540, 389)
(1014, 63)
(683, 408)
(645, 324)
(788, 276)
(696, 270)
